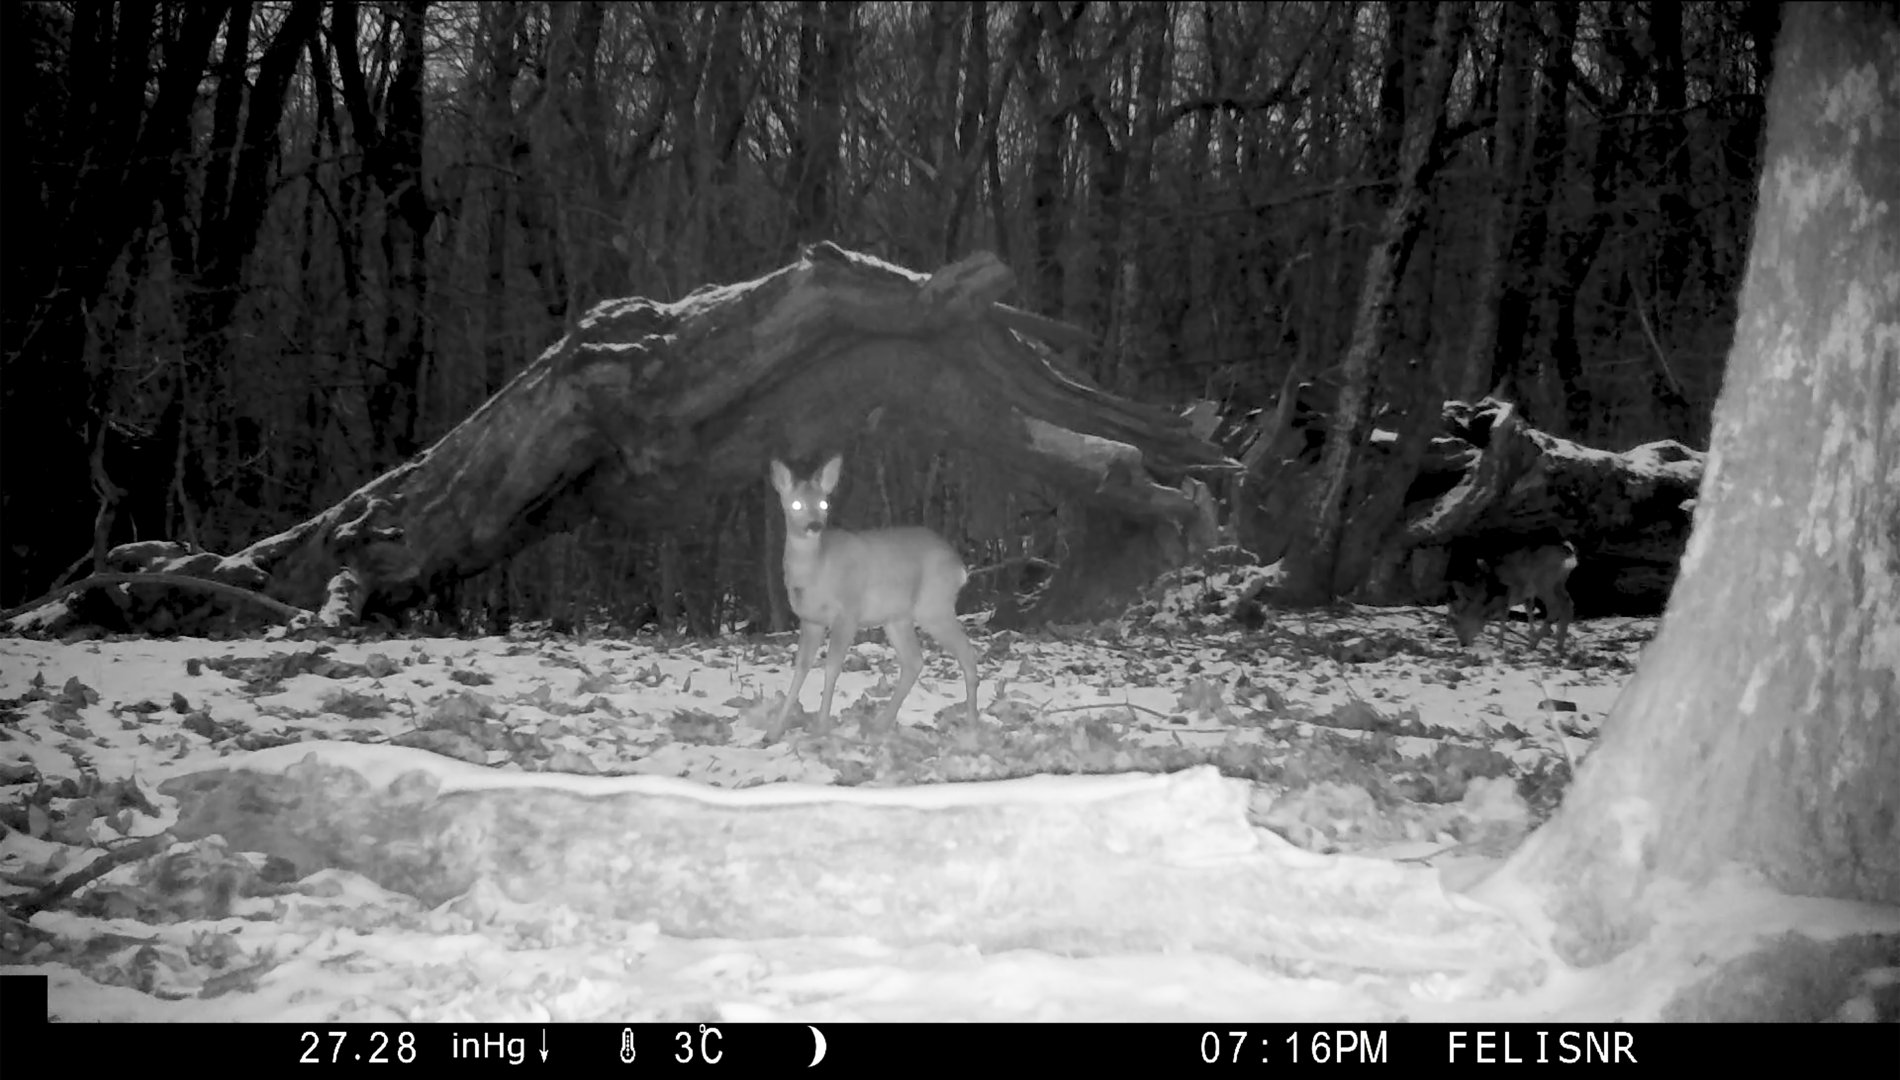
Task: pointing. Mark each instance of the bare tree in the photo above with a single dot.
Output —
(1526, 271)
(825, 32)
(213, 218)
(101, 147)
(392, 157)
(1511, 95)
(1312, 562)
(342, 275)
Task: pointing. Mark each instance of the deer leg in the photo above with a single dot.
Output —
(949, 634)
(809, 635)
(844, 632)
(910, 664)
(1562, 610)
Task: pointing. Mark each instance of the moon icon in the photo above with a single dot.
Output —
(818, 1039)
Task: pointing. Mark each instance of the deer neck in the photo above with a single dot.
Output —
(803, 554)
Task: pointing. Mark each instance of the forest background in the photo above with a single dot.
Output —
(258, 253)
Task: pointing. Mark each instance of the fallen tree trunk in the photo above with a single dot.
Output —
(1494, 482)
(645, 407)
(1627, 513)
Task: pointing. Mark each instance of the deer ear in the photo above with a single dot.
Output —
(828, 477)
(781, 476)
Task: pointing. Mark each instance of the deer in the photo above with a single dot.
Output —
(841, 582)
(1525, 576)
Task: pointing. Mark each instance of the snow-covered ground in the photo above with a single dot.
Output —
(1364, 735)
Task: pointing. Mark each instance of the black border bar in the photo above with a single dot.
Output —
(626, 1050)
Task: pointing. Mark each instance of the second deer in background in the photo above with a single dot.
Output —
(841, 582)
(1489, 589)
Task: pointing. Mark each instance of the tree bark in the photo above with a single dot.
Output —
(1759, 733)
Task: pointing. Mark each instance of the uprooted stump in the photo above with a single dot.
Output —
(1493, 482)
(645, 407)
(1493, 478)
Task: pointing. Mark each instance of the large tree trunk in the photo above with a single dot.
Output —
(1761, 730)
